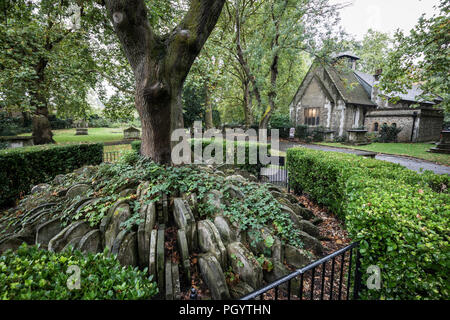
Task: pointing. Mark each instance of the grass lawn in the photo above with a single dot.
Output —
(417, 150)
(94, 135)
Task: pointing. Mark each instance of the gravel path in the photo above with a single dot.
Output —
(410, 163)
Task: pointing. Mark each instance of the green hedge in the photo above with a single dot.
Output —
(400, 217)
(253, 168)
(21, 168)
(31, 273)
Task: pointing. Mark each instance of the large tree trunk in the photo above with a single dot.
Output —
(42, 130)
(160, 65)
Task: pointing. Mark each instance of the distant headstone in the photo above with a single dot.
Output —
(291, 133)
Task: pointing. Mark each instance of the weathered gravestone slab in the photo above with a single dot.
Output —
(110, 225)
(244, 263)
(46, 231)
(169, 283)
(213, 276)
(160, 258)
(224, 230)
(240, 289)
(184, 255)
(10, 243)
(152, 253)
(77, 190)
(184, 219)
(209, 241)
(176, 282)
(125, 247)
(296, 257)
(91, 242)
(75, 230)
(40, 188)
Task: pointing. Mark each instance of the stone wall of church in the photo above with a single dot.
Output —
(314, 97)
(427, 125)
(430, 126)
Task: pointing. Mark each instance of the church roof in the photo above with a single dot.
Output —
(349, 87)
(368, 81)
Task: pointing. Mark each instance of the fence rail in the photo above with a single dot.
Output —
(276, 174)
(111, 156)
(335, 286)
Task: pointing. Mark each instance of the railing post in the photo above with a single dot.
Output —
(357, 285)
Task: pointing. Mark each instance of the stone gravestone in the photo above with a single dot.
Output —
(81, 128)
(291, 133)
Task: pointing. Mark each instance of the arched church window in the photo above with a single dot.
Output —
(375, 126)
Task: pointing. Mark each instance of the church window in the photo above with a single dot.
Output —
(375, 126)
(312, 117)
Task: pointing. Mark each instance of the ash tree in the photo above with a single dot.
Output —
(160, 64)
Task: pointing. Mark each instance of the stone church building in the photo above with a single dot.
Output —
(342, 99)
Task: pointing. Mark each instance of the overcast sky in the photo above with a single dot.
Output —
(383, 15)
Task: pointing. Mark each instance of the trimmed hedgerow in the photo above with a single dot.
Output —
(253, 168)
(31, 273)
(23, 167)
(400, 217)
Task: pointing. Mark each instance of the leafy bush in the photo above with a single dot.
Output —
(282, 123)
(253, 168)
(317, 134)
(11, 126)
(399, 216)
(31, 273)
(57, 123)
(388, 133)
(301, 131)
(24, 167)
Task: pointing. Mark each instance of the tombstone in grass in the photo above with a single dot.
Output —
(131, 133)
(291, 133)
(81, 128)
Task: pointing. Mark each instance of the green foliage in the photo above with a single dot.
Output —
(388, 133)
(11, 126)
(24, 167)
(252, 168)
(400, 217)
(282, 123)
(428, 40)
(247, 146)
(45, 60)
(301, 131)
(31, 273)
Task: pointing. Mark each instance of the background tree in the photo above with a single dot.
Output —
(44, 62)
(160, 64)
(422, 57)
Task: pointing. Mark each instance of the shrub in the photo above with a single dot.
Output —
(57, 123)
(282, 123)
(388, 133)
(31, 273)
(253, 168)
(399, 216)
(301, 131)
(11, 126)
(24, 167)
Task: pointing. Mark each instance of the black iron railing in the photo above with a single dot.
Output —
(334, 280)
(111, 156)
(276, 174)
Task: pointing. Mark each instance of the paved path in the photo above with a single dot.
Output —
(410, 163)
